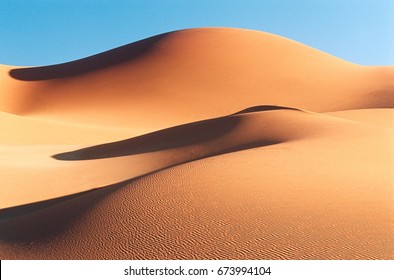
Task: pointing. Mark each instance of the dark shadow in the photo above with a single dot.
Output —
(85, 65)
(39, 221)
(13, 212)
(263, 108)
(169, 138)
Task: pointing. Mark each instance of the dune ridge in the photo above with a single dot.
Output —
(194, 69)
(210, 143)
(130, 158)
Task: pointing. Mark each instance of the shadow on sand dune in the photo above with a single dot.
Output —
(85, 65)
(41, 220)
(175, 137)
(262, 108)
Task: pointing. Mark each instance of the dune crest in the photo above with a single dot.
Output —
(137, 84)
(130, 158)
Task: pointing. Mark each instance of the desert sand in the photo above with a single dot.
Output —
(209, 143)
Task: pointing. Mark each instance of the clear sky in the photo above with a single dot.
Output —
(42, 32)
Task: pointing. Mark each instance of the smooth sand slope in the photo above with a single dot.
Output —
(203, 143)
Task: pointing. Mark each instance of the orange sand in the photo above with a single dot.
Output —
(210, 143)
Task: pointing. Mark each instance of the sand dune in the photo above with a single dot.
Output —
(126, 159)
(194, 69)
(203, 143)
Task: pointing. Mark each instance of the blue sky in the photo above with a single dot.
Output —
(46, 32)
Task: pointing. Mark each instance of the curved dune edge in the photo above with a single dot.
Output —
(207, 137)
(123, 160)
(20, 210)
